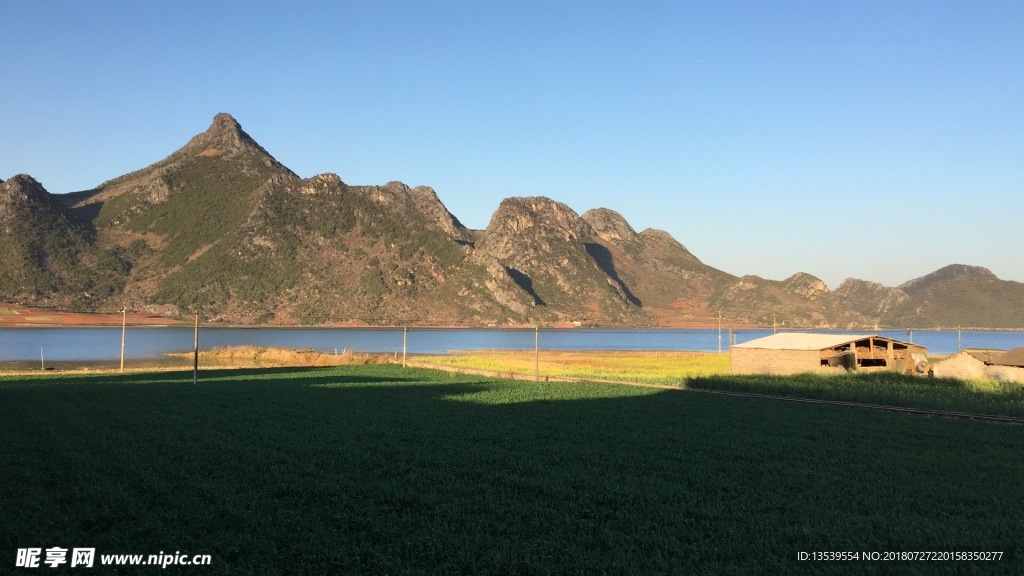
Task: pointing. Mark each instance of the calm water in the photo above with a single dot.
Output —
(102, 344)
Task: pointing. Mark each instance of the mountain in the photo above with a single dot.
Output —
(317, 250)
(657, 272)
(956, 295)
(960, 295)
(167, 216)
(802, 300)
(189, 200)
(47, 256)
(222, 227)
(870, 299)
(949, 274)
(540, 254)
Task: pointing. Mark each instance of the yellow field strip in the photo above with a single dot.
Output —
(530, 377)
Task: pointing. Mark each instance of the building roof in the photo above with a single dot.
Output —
(1014, 357)
(805, 341)
(984, 355)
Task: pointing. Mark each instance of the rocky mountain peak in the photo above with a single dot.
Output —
(224, 138)
(805, 285)
(610, 225)
(21, 181)
(424, 199)
(949, 273)
(223, 160)
(657, 235)
(963, 271)
(319, 184)
(869, 298)
(329, 178)
(858, 284)
(225, 121)
(539, 252)
(539, 216)
(21, 190)
(397, 199)
(659, 238)
(395, 187)
(391, 194)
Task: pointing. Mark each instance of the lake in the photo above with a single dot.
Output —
(145, 343)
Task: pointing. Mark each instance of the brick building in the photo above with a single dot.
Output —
(796, 352)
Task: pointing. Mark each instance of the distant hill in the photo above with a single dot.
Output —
(871, 299)
(222, 227)
(801, 300)
(960, 295)
(957, 295)
(47, 256)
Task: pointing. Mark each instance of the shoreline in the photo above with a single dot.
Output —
(20, 316)
(170, 323)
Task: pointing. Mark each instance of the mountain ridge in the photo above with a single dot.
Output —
(47, 256)
(220, 225)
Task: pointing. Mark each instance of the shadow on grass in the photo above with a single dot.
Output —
(236, 376)
(376, 469)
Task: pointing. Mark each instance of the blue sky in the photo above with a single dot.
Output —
(878, 140)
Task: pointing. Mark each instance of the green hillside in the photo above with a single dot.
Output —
(47, 256)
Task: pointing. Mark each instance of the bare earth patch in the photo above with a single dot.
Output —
(18, 315)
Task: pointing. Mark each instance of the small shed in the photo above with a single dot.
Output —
(1008, 367)
(796, 352)
(967, 364)
(1004, 365)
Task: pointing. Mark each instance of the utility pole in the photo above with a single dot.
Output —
(774, 330)
(405, 336)
(195, 353)
(719, 332)
(536, 353)
(124, 319)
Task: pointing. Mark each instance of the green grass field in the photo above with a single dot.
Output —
(705, 371)
(380, 470)
(885, 388)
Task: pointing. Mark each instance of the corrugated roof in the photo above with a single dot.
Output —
(804, 341)
(1014, 357)
(985, 355)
